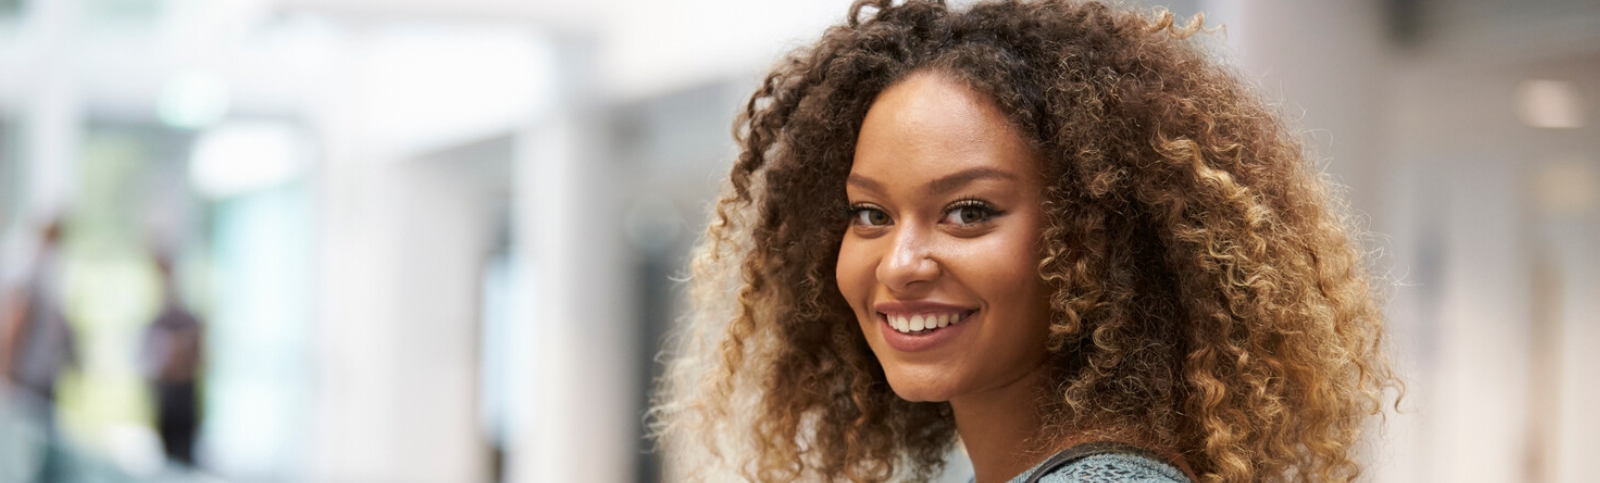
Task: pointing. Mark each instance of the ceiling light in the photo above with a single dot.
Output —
(1549, 104)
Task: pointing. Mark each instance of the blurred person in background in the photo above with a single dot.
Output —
(1055, 230)
(171, 355)
(37, 344)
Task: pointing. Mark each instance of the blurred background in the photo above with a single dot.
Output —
(437, 240)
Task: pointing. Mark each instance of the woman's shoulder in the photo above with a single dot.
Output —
(1113, 468)
(1104, 462)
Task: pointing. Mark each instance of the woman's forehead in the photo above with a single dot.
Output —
(929, 125)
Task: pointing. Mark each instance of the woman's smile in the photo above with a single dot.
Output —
(916, 326)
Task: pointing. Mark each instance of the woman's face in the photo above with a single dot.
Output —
(940, 263)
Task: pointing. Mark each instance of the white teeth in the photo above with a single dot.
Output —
(921, 322)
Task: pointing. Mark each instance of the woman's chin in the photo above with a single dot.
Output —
(919, 389)
(921, 397)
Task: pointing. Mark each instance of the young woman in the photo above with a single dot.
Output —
(1055, 232)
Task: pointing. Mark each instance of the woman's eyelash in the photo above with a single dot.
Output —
(974, 203)
(971, 202)
(985, 210)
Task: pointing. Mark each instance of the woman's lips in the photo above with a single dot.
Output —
(901, 331)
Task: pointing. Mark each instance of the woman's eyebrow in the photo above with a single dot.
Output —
(959, 179)
(947, 183)
(864, 182)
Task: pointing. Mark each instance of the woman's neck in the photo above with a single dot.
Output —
(999, 427)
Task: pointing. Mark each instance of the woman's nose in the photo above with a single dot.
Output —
(909, 264)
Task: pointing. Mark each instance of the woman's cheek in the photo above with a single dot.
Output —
(853, 274)
(1003, 265)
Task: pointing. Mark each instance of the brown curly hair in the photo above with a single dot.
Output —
(1209, 297)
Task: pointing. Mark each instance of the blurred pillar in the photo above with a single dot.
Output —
(578, 423)
(403, 238)
(1326, 63)
(447, 233)
(351, 408)
(1563, 428)
(53, 120)
(1472, 400)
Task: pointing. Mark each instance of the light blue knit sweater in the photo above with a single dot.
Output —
(1111, 468)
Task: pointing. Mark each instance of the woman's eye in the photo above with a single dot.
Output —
(866, 216)
(969, 213)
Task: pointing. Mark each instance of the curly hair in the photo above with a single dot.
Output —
(1209, 297)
